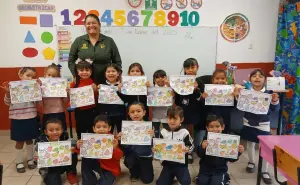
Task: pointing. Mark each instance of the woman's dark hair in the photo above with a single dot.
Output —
(136, 65)
(53, 120)
(116, 67)
(212, 117)
(190, 62)
(54, 66)
(81, 66)
(24, 69)
(217, 71)
(158, 74)
(102, 118)
(93, 16)
(258, 71)
(173, 112)
(137, 103)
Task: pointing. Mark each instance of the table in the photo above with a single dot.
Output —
(266, 145)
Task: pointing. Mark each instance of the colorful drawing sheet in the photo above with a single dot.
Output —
(159, 96)
(183, 85)
(54, 87)
(254, 102)
(136, 133)
(220, 95)
(98, 146)
(82, 96)
(169, 150)
(222, 145)
(108, 95)
(134, 85)
(53, 154)
(25, 91)
(276, 83)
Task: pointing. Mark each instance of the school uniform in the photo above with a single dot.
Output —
(173, 169)
(51, 175)
(115, 112)
(213, 170)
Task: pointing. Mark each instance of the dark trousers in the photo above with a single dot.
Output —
(168, 173)
(84, 121)
(60, 116)
(51, 175)
(140, 168)
(216, 179)
(116, 121)
(156, 126)
(88, 167)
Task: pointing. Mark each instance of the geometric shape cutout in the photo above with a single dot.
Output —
(30, 52)
(46, 20)
(29, 38)
(49, 53)
(28, 20)
(47, 37)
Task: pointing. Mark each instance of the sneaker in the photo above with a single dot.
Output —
(20, 168)
(266, 178)
(250, 168)
(133, 179)
(190, 159)
(72, 178)
(31, 164)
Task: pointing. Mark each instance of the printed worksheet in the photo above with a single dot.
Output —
(108, 95)
(134, 85)
(220, 95)
(136, 133)
(159, 96)
(169, 150)
(276, 83)
(183, 85)
(82, 96)
(25, 91)
(54, 87)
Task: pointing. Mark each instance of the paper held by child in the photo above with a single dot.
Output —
(108, 95)
(82, 96)
(222, 145)
(25, 91)
(254, 101)
(276, 83)
(159, 96)
(220, 95)
(97, 146)
(183, 85)
(169, 150)
(54, 87)
(136, 133)
(134, 85)
(52, 154)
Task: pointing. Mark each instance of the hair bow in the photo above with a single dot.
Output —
(77, 61)
(87, 60)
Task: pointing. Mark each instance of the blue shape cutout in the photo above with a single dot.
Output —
(29, 38)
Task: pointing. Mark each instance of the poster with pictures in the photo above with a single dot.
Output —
(222, 145)
(97, 146)
(25, 91)
(159, 96)
(54, 87)
(183, 85)
(82, 96)
(136, 133)
(276, 83)
(220, 95)
(169, 150)
(108, 95)
(254, 101)
(53, 154)
(134, 85)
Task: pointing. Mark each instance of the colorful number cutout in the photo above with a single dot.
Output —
(133, 18)
(190, 19)
(148, 14)
(119, 18)
(160, 18)
(173, 18)
(80, 19)
(66, 15)
(106, 17)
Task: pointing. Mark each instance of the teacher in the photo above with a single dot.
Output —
(95, 46)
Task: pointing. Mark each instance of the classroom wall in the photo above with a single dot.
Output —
(257, 50)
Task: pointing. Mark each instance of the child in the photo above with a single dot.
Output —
(159, 114)
(84, 116)
(51, 175)
(213, 170)
(258, 124)
(53, 107)
(175, 132)
(108, 169)
(191, 104)
(138, 158)
(24, 123)
(116, 112)
(135, 69)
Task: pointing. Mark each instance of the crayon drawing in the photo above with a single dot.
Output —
(108, 95)
(98, 146)
(169, 150)
(134, 85)
(222, 145)
(136, 133)
(82, 96)
(183, 85)
(54, 87)
(159, 96)
(254, 102)
(25, 91)
(220, 95)
(53, 154)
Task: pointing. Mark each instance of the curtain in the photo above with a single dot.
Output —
(287, 62)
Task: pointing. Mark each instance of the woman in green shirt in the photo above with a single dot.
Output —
(95, 46)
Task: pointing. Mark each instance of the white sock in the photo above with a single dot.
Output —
(251, 151)
(29, 149)
(20, 156)
(265, 166)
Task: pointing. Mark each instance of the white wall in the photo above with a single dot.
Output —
(262, 15)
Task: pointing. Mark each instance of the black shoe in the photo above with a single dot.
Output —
(266, 178)
(133, 179)
(20, 168)
(250, 168)
(190, 159)
(31, 164)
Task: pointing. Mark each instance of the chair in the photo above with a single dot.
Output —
(287, 163)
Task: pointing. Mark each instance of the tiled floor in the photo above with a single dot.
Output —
(31, 177)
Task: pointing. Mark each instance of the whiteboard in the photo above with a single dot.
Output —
(159, 47)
